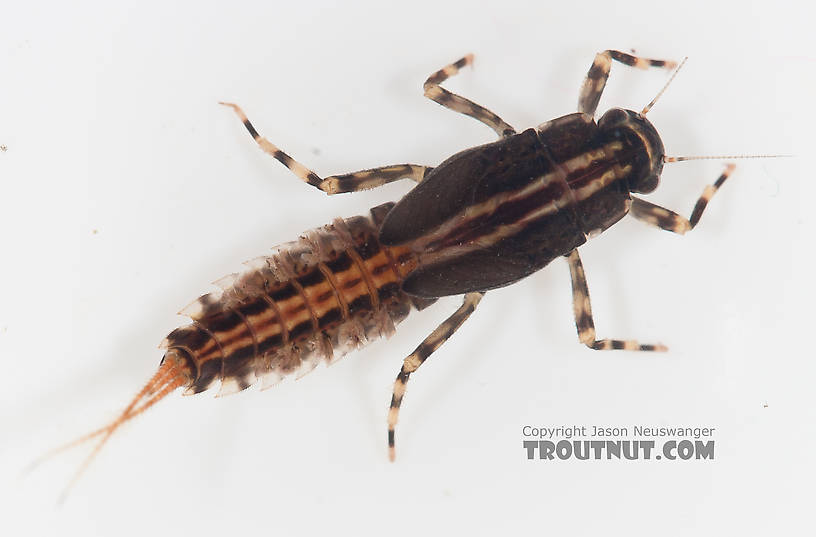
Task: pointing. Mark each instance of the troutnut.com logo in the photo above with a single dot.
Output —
(638, 442)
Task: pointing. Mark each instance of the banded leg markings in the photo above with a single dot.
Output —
(595, 81)
(584, 323)
(457, 103)
(663, 218)
(335, 184)
(373, 178)
(420, 354)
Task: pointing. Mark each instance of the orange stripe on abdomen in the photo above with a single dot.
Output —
(329, 292)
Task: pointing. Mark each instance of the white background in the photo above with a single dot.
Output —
(126, 188)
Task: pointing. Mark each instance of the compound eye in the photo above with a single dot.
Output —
(612, 117)
(647, 184)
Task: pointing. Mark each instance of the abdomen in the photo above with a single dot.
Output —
(331, 291)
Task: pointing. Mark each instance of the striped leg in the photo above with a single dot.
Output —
(671, 221)
(440, 95)
(420, 354)
(583, 314)
(595, 80)
(373, 178)
(336, 184)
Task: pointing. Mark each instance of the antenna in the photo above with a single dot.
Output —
(651, 104)
(721, 157)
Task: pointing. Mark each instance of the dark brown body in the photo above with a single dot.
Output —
(493, 214)
(486, 217)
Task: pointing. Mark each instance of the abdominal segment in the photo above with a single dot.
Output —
(332, 291)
